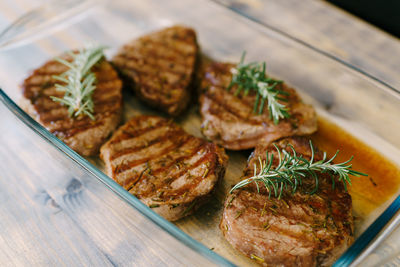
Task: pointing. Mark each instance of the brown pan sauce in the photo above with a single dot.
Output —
(383, 179)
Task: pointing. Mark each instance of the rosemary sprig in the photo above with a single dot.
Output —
(292, 168)
(252, 76)
(78, 82)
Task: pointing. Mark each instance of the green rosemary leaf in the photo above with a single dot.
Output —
(64, 62)
(252, 76)
(78, 82)
(59, 100)
(61, 79)
(292, 168)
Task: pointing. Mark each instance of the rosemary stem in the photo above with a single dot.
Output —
(252, 77)
(293, 168)
(79, 81)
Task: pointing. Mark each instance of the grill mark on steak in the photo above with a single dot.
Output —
(221, 104)
(179, 159)
(131, 133)
(247, 102)
(168, 64)
(82, 134)
(297, 230)
(173, 159)
(103, 89)
(71, 132)
(164, 151)
(153, 46)
(157, 85)
(44, 79)
(146, 76)
(130, 150)
(160, 67)
(58, 113)
(166, 168)
(173, 178)
(229, 120)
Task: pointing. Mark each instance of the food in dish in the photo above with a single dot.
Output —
(160, 67)
(294, 229)
(230, 121)
(173, 172)
(168, 169)
(82, 133)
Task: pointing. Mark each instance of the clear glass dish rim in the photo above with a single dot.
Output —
(365, 240)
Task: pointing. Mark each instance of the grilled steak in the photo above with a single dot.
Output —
(297, 230)
(82, 134)
(229, 120)
(160, 67)
(166, 168)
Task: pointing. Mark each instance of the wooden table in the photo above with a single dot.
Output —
(63, 222)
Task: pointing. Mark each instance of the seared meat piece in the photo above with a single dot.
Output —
(82, 134)
(166, 168)
(160, 67)
(229, 120)
(297, 230)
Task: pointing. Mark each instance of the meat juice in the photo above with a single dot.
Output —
(383, 180)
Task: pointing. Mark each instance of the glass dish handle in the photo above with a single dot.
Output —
(43, 20)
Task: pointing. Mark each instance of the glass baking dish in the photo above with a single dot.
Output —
(367, 108)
